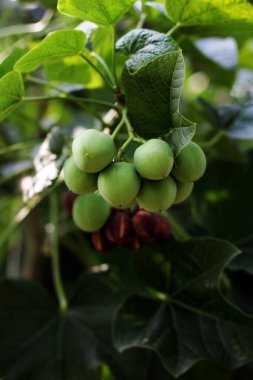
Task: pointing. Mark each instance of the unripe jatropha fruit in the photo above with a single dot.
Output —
(154, 159)
(190, 164)
(157, 196)
(90, 212)
(119, 184)
(184, 190)
(78, 181)
(93, 150)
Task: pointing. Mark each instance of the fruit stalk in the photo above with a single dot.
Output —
(58, 285)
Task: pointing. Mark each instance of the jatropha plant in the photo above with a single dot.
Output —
(126, 163)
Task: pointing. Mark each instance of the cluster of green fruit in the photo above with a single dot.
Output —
(156, 179)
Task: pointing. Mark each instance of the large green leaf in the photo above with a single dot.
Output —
(38, 342)
(102, 12)
(73, 70)
(212, 17)
(11, 93)
(8, 63)
(153, 79)
(56, 45)
(190, 320)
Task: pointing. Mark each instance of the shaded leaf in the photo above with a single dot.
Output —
(212, 17)
(102, 12)
(42, 343)
(11, 93)
(181, 137)
(191, 320)
(55, 45)
(153, 79)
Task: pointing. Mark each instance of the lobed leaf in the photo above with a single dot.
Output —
(212, 17)
(55, 45)
(102, 12)
(190, 320)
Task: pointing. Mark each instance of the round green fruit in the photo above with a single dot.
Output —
(90, 212)
(184, 190)
(157, 196)
(154, 159)
(190, 164)
(119, 184)
(78, 181)
(93, 150)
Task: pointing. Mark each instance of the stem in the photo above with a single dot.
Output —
(59, 290)
(216, 138)
(130, 129)
(142, 16)
(118, 128)
(28, 28)
(141, 21)
(18, 146)
(123, 148)
(97, 70)
(114, 71)
(174, 28)
(64, 96)
(43, 83)
(142, 5)
(106, 68)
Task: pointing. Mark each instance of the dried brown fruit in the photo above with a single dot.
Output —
(118, 226)
(146, 225)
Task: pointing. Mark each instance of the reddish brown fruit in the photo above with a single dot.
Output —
(99, 241)
(118, 227)
(146, 225)
(133, 242)
(165, 230)
(68, 201)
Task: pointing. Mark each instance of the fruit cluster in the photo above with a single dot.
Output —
(156, 179)
(130, 229)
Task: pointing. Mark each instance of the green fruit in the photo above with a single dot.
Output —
(184, 190)
(190, 164)
(119, 184)
(154, 159)
(90, 212)
(157, 196)
(77, 180)
(93, 150)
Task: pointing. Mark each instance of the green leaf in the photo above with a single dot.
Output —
(73, 70)
(102, 12)
(212, 17)
(11, 93)
(153, 79)
(191, 320)
(8, 64)
(181, 137)
(56, 45)
(38, 342)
